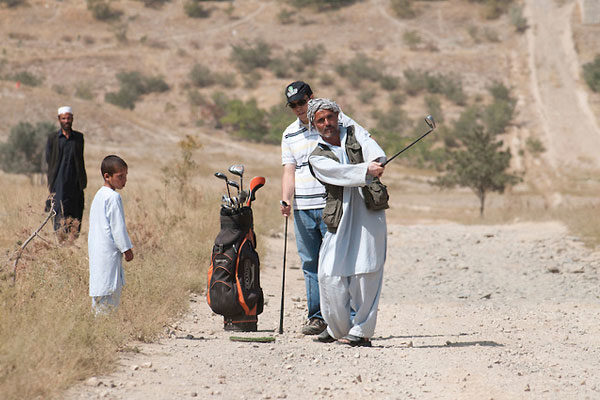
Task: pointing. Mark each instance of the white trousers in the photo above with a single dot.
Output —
(105, 304)
(340, 293)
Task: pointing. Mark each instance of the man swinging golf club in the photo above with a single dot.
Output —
(353, 252)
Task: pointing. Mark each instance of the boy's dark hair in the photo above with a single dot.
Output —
(112, 164)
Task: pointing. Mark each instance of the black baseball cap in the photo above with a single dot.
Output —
(296, 91)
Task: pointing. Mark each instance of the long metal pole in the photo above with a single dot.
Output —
(283, 203)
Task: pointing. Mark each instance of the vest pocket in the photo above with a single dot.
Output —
(332, 214)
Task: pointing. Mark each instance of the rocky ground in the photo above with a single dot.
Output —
(469, 312)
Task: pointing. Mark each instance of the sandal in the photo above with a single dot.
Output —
(355, 341)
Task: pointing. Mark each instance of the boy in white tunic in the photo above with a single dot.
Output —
(353, 252)
(108, 240)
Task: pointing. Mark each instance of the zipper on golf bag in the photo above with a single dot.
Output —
(234, 279)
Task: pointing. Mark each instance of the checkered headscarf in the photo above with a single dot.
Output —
(315, 105)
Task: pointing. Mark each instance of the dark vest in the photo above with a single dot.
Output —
(332, 213)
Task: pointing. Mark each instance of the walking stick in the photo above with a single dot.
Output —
(284, 204)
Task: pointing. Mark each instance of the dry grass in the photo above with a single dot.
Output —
(48, 336)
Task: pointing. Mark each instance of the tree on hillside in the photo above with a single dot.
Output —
(479, 165)
(23, 152)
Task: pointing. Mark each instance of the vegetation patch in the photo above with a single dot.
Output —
(134, 85)
(591, 74)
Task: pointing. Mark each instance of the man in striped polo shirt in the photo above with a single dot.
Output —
(306, 195)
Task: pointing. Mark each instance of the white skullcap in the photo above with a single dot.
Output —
(65, 110)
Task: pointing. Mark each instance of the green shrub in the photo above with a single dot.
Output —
(194, 9)
(102, 11)
(394, 120)
(245, 119)
(133, 86)
(388, 82)
(309, 55)
(403, 8)
(154, 3)
(12, 3)
(591, 74)
(534, 146)
(498, 115)
(26, 78)
(278, 118)
(285, 16)
(248, 56)
(448, 85)
(201, 76)
(517, 19)
(493, 9)
(24, 150)
(412, 39)
(321, 4)
(358, 69)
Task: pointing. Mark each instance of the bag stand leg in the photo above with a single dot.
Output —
(240, 323)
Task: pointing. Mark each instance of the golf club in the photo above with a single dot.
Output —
(284, 204)
(235, 185)
(430, 122)
(256, 183)
(238, 170)
(221, 175)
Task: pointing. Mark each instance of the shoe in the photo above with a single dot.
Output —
(355, 341)
(325, 337)
(314, 326)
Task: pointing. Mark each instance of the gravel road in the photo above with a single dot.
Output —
(467, 312)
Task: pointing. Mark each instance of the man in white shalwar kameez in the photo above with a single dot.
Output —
(351, 258)
(108, 240)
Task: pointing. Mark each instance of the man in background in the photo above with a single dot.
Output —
(66, 173)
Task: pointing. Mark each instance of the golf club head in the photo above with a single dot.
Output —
(430, 121)
(221, 175)
(237, 169)
(235, 185)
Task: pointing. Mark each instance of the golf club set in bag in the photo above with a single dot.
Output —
(234, 274)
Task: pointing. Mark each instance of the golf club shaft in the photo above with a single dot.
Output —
(283, 203)
(407, 147)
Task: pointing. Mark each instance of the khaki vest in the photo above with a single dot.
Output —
(332, 213)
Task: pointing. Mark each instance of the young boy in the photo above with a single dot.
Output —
(108, 238)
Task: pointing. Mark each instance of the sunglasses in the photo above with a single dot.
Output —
(298, 103)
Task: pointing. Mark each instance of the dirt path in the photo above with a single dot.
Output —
(503, 312)
(572, 132)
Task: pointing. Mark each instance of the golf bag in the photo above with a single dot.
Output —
(234, 275)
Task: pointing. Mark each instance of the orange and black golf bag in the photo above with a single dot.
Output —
(234, 275)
